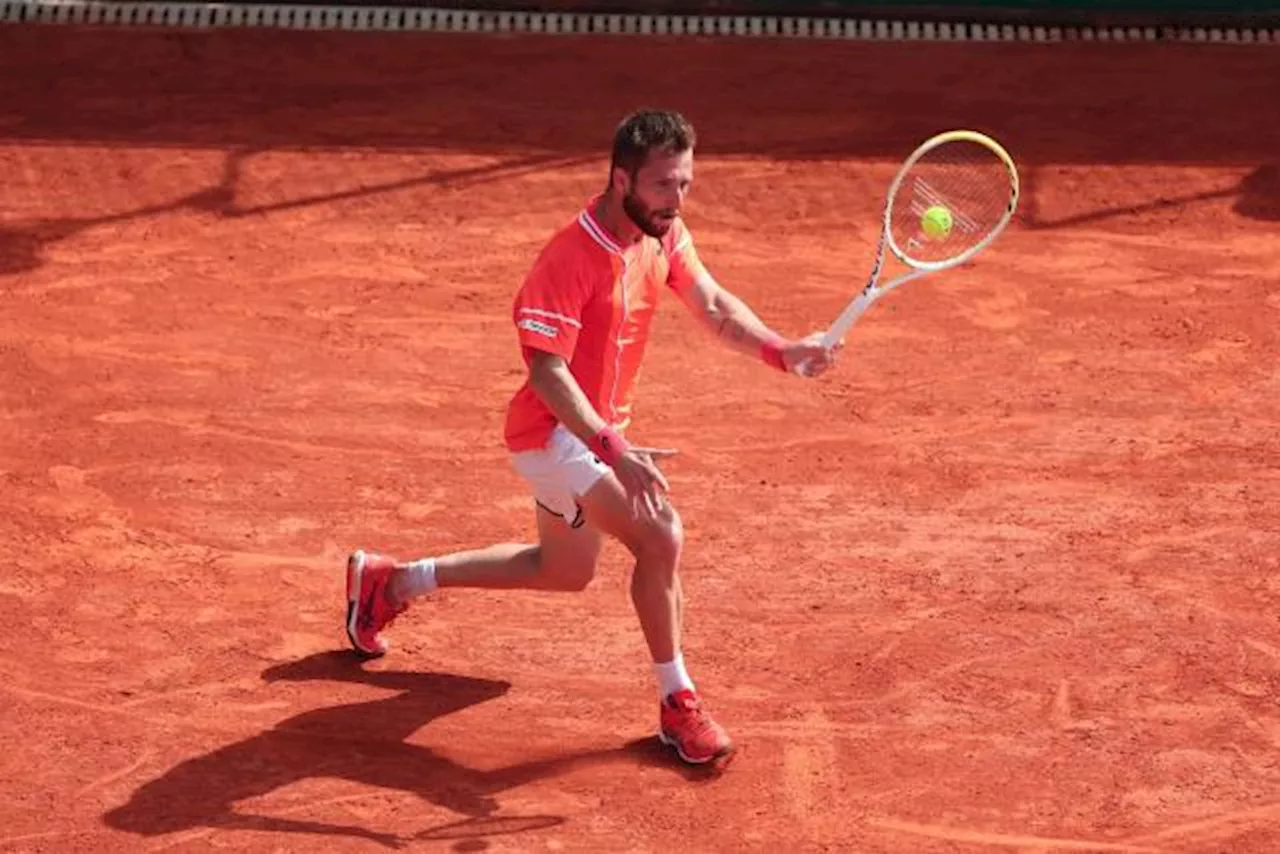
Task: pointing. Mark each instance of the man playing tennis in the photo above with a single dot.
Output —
(582, 318)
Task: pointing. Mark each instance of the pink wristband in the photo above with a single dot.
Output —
(609, 446)
(771, 352)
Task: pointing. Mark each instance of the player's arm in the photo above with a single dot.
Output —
(549, 316)
(732, 321)
(551, 379)
(553, 382)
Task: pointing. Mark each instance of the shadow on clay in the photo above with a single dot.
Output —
(363, 743)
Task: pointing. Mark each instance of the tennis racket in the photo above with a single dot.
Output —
(949, 200)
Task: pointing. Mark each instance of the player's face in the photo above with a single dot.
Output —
(653, 198)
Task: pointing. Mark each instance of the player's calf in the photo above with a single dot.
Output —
(566, 577)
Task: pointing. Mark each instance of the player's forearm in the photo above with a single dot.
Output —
(735, 324)
(551, 380)
(555, 384)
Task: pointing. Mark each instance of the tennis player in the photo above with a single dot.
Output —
(582, 317)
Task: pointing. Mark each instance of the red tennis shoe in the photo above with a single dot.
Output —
(369, 608)
(686, 726)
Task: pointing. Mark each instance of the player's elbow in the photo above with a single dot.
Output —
(723, 309)
(546, 371)
(713, 316)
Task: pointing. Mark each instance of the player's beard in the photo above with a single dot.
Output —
(643, 218)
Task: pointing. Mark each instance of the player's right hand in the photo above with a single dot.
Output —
(808, 358)
(641, 479)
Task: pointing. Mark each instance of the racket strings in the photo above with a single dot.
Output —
(965, 178)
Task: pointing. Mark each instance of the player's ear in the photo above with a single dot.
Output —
(620, 180)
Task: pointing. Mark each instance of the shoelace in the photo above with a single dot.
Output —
(698, 720)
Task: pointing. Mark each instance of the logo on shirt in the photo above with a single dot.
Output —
(538, 327)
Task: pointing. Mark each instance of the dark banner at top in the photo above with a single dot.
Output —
(1099, 12)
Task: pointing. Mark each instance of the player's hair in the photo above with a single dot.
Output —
(646, 131)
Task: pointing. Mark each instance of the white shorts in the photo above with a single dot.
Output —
(559, 473)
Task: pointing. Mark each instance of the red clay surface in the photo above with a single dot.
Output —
(1007, 581)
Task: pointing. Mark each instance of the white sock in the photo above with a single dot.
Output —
(672, 676)
(416, 579)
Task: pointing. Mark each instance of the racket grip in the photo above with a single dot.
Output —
(845, 321)
(840, 328)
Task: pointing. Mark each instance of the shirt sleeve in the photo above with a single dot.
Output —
(549, 306)
(682, 257)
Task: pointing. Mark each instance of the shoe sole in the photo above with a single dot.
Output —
(675, 745)
(355, 580)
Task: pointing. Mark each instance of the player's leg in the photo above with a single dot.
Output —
(380, 588)
(657, 545)
(564, 559)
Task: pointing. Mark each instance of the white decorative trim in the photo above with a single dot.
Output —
(319, 17)
(591, 227)
(563, 318)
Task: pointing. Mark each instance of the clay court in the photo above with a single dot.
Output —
(1005, 581)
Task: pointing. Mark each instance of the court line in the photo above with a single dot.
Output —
(1212, 828)
(1005, 840)
(810, 760)
(49, 834)
(108, 779)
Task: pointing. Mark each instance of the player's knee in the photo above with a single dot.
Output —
(661, 539)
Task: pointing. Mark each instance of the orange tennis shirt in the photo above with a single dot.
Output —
(591, 301)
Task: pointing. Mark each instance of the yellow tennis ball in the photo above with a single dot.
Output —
(936, 222)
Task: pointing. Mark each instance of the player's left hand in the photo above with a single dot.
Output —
(808, 358)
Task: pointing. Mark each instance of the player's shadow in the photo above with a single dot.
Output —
(23, 245)
(364, 743)
(1257, 196)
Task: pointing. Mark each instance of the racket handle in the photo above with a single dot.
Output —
(859, 304)
(843, 324)
(846, 320)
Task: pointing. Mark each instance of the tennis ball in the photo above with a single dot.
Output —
(936, 222)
